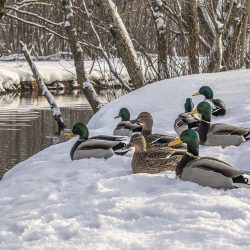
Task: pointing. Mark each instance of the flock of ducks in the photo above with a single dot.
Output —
(154, 153)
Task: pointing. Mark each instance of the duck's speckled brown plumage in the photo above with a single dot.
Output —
(146, 119)
(153, 160)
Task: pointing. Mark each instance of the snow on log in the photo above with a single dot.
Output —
(45, 92)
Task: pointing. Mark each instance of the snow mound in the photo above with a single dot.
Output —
(50, 202)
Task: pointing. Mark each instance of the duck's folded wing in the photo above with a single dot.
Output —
(161, 158)
(188, 118)
(163, 140)
(227, 129)
(215, 165)
(93, 143)
(218, 103)
(122, 124)
(108, 138)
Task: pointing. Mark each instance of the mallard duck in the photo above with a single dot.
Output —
(184, 120)
(152, 161)
(126, 127)
(100, 146)
(146, 119)
(206, 171)
(218, 134)
(218, 106)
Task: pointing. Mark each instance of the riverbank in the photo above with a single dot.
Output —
(17, 76)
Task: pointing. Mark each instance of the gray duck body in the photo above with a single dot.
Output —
(97, 147)
(127, 128)
(209, 172)
(221, 134)
(185, 121)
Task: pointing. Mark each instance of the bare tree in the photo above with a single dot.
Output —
(160, 25)
(77, 52)
(248, 15)
(123, 42)
(194, 34)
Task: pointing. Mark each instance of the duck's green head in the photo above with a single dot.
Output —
(205, 110)
(81, 130)
(206, 91)
(189, 106)
(191, 138)
(124, 114)
(78, 129)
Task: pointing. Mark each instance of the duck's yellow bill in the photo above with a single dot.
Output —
(116, 117)
(69, 135)
(197, 117)
(193, 112)
(177, 141)
(196, 93)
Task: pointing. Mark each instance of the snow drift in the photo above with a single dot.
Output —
(50, 202)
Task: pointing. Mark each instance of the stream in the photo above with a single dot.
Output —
(27, 126)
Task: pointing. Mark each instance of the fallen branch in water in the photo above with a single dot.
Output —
(45, 92)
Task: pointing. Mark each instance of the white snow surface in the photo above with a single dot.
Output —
(16, 72)
(51, 202)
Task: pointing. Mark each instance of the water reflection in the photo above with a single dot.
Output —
(27, 127)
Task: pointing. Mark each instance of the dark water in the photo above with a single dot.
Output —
(27, 126)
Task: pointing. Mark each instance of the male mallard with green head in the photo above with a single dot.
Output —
(206, 171)
(126, 127)
(184, 120)
(218, 106)
(153, 160)
(218, 134)
(146, 119)
(100, 146)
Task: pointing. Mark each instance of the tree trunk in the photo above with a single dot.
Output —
(161, 39)
(218, 53)
(77, 53)
(248, 13)
(194, 30)
(2, 8)
(123, 42)
(243, 41)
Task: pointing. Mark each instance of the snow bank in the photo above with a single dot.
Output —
(13, 73)
(50, 202)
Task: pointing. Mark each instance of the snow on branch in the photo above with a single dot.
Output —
(45, 92)
(89, 86)
(207, 18)
(30, 2)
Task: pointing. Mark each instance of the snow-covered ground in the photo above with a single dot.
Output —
(50, 202)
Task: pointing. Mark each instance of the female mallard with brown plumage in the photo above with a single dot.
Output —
(153, 160)
(146, 119)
